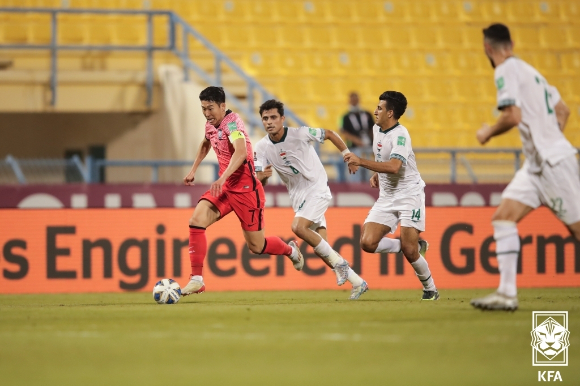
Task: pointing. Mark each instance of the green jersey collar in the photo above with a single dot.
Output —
(281, 139)
(389, 129)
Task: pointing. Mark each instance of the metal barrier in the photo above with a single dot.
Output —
(175, 23)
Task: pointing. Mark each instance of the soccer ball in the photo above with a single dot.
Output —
(166, 291)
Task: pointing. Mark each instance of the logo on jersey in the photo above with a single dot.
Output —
(499, 83)
(255, 157)
(232, 126)
(312, 131)
(401, 141)
(220, 134)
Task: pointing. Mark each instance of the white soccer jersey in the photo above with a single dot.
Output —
(396, 143)
(296, 161)
(521, 85)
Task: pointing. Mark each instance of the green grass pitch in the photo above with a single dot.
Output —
(276, 338)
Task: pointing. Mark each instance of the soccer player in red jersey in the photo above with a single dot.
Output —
(237, 189)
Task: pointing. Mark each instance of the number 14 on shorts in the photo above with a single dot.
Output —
(416, 215)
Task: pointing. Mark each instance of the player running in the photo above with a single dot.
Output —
(401, 197)
(237, 189)
(289, 150)
(549, 175)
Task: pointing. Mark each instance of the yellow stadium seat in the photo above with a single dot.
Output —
(342, 12)
(399, 37)
(452, 37)
(548, 11)
(419, 11)
(263, 64)
(370, 12)
(494, 11)
(292, 12)
(293, 63)
(262, 11)
(408, 63)
(326, 90)
(293, 37)
(527, 38)
(473, 63)
(129, 35)
(473, 38)
(521, 12)
(439, 63)
(554, 37)
(373, 37)
(471, 11)
(570, 63)
(347, 37)
(321, 38)
(236, 37)
(547, 63)
(16, 33)
(40, 33)
(72, 33)
(323, 64)
(446, 11)
(570, 11)
(425, 37)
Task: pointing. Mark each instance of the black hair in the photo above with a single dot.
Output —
(213, 94)
(497, 34)
(395, 101)
(272, 104)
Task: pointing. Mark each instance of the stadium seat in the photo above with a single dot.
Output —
(293, 37)
(570, 62)
(526, 38)
(342, 12)
(521, 12)
(446, 12)
(555, 38)
(570, 11)
(324, 64)
(548, 11)
(452, 37)
(425, 37)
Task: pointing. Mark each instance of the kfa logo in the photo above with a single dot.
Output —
(550, 338)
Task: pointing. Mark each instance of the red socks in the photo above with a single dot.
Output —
(197, 249)
(276, 246)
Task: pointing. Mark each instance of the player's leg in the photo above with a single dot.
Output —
(519, 198)
(414, 250)
(249, 207)
(207, 211)
(380, 221)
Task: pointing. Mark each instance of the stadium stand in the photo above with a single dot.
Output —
(312, 53)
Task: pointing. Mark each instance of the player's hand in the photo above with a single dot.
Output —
(216, 188)
(352, 159)
(482, 134)
(352, 169)
(267, 172)
(188, 179)
(375, 181)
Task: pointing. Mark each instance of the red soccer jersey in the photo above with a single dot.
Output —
(244, 179)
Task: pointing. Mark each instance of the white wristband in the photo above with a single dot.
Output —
(345, 151)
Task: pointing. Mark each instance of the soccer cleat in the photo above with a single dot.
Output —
(195, 286)
(424, 247)
(496, 301)
(430, 295)
(341, 271)
(299, 263)
(358, 291)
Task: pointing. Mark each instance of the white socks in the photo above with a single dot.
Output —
(424, 274)
(507, 247)
(324, 250)
(354, 279)
(387, 245)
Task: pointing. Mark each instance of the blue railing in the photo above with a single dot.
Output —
(175, 25)
(14, 170)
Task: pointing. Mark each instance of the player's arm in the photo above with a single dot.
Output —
(238, 158)
(510, 116)
(341, 146)
(351, 137)
(202, 151)
(265, 174)
(562, 114)
(391, 166)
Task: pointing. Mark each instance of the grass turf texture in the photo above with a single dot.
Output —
(276, 338)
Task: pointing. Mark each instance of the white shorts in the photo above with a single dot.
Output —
(409, 211)
(313, 209)
(557, 187)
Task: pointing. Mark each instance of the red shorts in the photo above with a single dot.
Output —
(248, 206)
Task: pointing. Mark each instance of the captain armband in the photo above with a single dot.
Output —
(236, 134)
